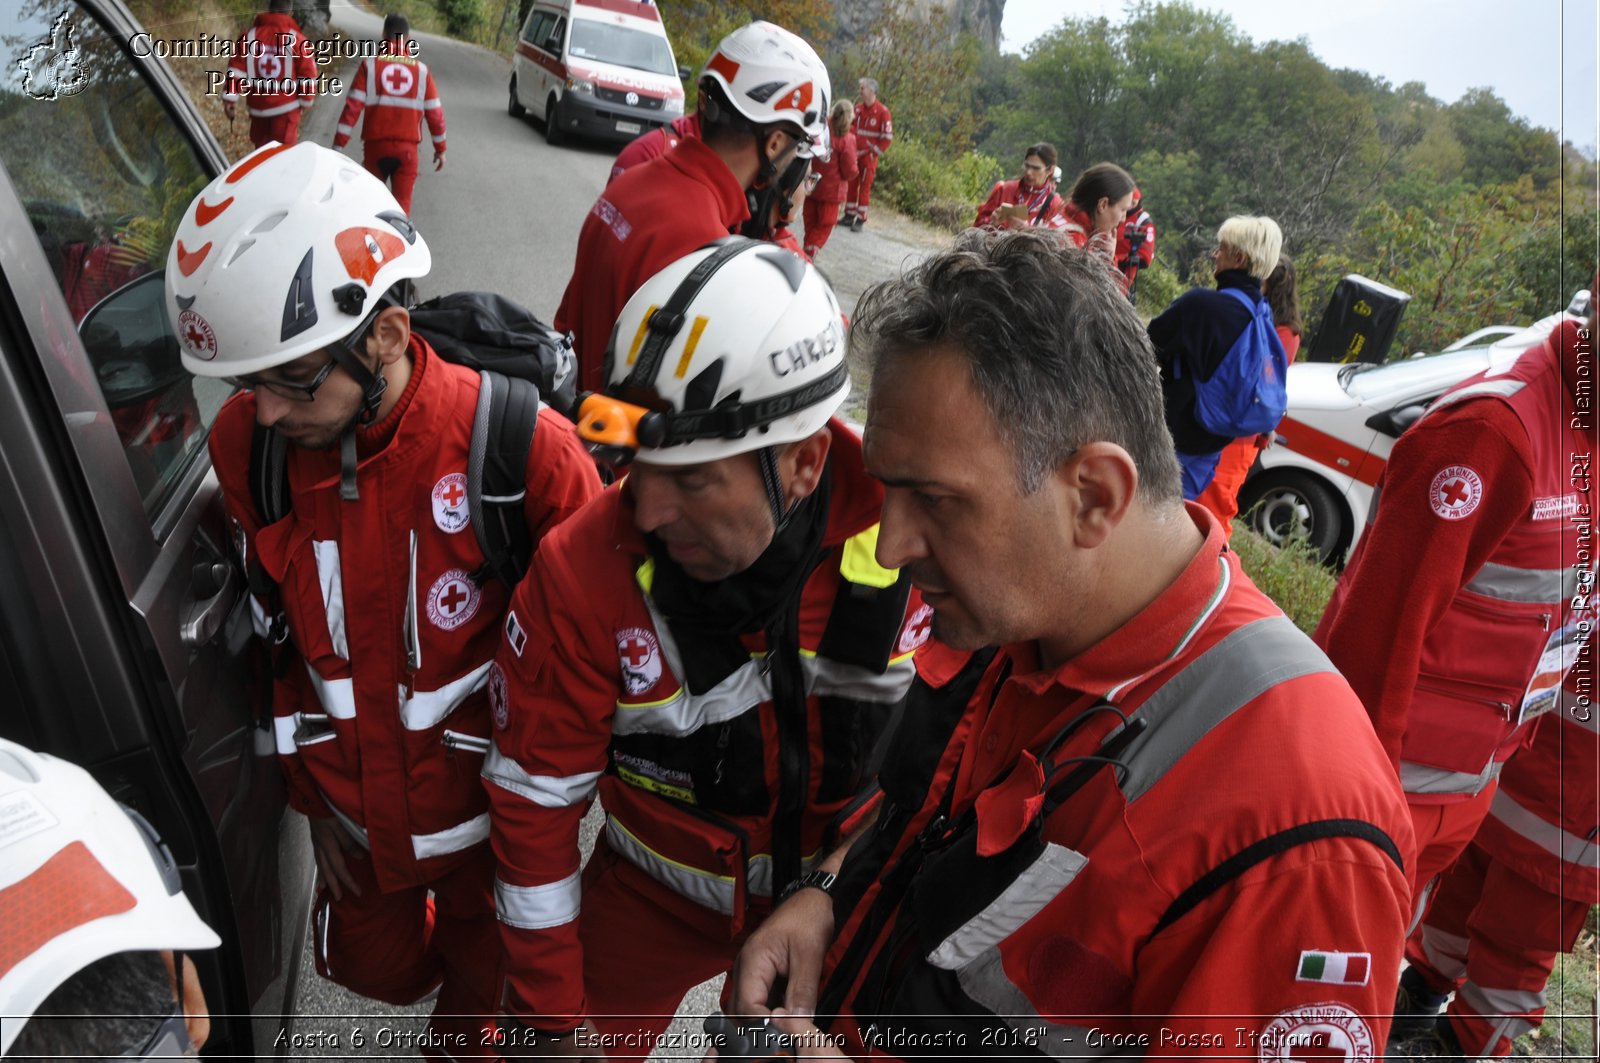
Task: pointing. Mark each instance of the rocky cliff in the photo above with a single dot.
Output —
(979, 17)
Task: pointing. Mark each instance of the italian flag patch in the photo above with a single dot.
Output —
(1335, 968)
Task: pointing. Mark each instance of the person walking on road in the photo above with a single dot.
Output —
(873, 129)
(1059, 861)
(275, 71)
(290, 278)
(710, 646)
(397, 93)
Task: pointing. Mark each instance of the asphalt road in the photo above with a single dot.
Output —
(504, 216)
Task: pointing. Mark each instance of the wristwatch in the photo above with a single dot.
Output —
(817, 880)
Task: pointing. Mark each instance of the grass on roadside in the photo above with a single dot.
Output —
(1290, 576)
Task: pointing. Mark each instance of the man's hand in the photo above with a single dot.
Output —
(788, 947)
(332, 845)
(227, 109)
(438, 161)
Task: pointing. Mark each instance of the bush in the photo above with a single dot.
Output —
(1290, 576)
(462, 18)
(922, 183)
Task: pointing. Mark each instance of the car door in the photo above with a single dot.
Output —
(123, 626)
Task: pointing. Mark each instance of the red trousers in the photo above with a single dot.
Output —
(859, 195)
(1443, 833)
(1493, 936)
(1221, 495)
(284, 128)
(819, 218)
(394, 161)
(644, 947)
(399, 947)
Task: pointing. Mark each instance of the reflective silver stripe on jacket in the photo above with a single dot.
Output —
(1532, 585)
(985, 981)
(338, 696)
(1211, 688)
(748, 686)
(330, 577)
(705, 888)
(427, 708)
(1028, 893)
(1503, 388)
(550, 791)
(1425, 779)
(273, 112)
(1506, 1011)
(538, 907)
(283, 728)
(1550, 837)
(449, 840)
(758, 872)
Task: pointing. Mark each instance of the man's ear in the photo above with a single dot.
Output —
(802, 464)
(390, 335)
(1104, 479)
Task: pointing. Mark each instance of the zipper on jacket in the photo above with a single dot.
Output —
(412, 636)
(790, 712)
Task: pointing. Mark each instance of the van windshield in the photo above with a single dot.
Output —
(620, 46)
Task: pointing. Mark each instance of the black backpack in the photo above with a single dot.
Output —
(521, 362)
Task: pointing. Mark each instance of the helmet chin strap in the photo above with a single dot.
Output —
(767, 458)
(373, 385)
(768, 187)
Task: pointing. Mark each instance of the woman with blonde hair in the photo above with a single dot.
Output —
(820, 212)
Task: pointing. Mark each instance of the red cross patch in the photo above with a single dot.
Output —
(918, 626)
(1455, 492)
(499, 706)
(194, 332)
(1315, 1033)
(453, 600)
(397, 79)
(450, 510)
(639, 654)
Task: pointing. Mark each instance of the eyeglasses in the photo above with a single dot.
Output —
(283, 388)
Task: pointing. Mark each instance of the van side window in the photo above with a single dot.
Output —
(533, 32)
(105, 174)
(558, 36)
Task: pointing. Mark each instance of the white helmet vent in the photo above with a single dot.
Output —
(238, 252)
(269, 223)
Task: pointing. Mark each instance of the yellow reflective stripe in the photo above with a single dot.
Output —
(700, 324)
(655, 786)
(626, 706)
(646, 575)
(638, 337)
(860, 564)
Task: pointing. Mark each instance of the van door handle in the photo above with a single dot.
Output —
(205, 617)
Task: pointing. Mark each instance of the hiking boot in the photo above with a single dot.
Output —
(1416, 1007)
(1437, 1044)
(857, 224)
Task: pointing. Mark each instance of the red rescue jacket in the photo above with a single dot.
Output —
(697, 783)
(654, 144)
(873, 129)
(382, 721)
(1474, 521)
(836, 173)
(273, 49)
(397, 92)
(1045, 206)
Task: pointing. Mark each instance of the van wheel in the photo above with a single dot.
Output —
(554, 135)
(514, 108)
(1282, 507)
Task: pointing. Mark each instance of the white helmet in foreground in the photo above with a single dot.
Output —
(83, 878)
(736, 347)
(289, 251)
(770, 75)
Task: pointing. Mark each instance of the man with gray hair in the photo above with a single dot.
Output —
(1207, 332)
(874, 131)
(1107, 822)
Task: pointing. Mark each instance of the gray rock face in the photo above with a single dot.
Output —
(979, 17)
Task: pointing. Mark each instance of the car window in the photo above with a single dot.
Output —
(105, 174)
(558, 33)
(534, 31)
(621, 46)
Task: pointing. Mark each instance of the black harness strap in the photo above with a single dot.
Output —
(1271, 846)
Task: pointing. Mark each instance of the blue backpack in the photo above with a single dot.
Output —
(1246, 395)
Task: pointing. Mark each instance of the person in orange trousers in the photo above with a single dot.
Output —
(1221, 496)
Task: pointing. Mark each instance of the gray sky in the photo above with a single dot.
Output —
(1537, 55)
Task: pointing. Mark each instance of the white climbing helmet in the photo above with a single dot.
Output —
(288, 251)
(771, 75)
(83, 878)
(734, 347)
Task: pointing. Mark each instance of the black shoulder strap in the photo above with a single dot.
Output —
(497, 474)
(1271, 846)
(1038, 218)
(269, 475)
